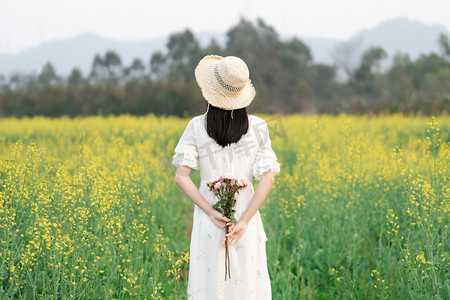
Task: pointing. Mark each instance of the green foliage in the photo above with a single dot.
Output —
(444, 44)
(359, 210)
(368, 73)
(48, 75)
(226, 193)
(286, 78)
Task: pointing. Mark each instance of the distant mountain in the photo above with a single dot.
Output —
(78, 51)
(406, 35)
(401, 34)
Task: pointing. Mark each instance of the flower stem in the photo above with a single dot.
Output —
(227, 257)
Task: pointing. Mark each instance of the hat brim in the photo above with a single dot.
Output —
(204, 75)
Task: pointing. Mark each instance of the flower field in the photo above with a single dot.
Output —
(360, 209)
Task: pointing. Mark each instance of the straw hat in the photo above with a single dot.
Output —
(224, 81)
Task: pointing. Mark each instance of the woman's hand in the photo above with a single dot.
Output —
(235, 232)
(218, 218)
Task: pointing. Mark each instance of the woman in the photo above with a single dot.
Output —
(226, 140)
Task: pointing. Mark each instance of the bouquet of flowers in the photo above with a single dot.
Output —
(227, 188)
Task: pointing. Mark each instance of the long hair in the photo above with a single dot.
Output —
(224, 129)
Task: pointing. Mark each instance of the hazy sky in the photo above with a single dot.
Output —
(28, 23)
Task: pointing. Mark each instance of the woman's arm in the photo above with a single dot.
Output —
(263, 189)
(184, 181)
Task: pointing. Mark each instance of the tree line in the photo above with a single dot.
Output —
(283, 72)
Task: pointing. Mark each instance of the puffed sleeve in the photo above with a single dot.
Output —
(186, 152)
(265, 157)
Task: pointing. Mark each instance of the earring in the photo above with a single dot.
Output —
(207, 109)
(232, 113)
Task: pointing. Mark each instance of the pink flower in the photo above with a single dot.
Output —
(245, 182)
(233, 182)
(217, 185)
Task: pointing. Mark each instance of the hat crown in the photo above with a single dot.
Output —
(233, 71)
(225, 81)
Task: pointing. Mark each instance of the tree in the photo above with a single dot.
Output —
(48, 75)
(283, 72)
(3, 82)
(113, 64)
(76, 78)
(345, 56)
(182, 56)
(279, 70)
(213, 48)
(99, 72)
(243, 40)
(292, 74)
(435, 92)
(16, 80)
(323, 82)
(371, 60)
(400, 82)
(298, 50)
(106, 70)
(424, 65)
(158, 68)
(258, 46)
(135, 71)
(444, 44)
(365, 76)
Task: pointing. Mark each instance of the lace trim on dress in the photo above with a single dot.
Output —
(186, 159)
(264, 162)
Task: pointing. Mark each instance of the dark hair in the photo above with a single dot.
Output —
(222, 128)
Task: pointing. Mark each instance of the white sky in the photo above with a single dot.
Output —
(28, 23)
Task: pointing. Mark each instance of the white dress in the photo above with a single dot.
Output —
(251, 156)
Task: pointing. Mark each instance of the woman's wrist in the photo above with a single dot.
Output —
(244, 219)
(209, 210)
